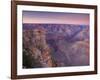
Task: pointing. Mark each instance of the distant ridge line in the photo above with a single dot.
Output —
(56, 24)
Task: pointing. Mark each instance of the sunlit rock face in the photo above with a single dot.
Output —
(36, 50)
(55, 45)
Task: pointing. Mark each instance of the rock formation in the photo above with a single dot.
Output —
(36, 49)
(55, 45)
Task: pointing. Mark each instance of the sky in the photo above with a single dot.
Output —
(55, 17)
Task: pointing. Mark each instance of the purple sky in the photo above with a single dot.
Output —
(55, 17)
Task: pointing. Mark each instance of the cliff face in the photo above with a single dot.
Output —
(55, 45)
(36, 51)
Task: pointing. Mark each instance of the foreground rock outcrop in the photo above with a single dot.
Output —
(36, 51)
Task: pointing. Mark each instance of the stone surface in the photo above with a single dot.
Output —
(55, 45)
